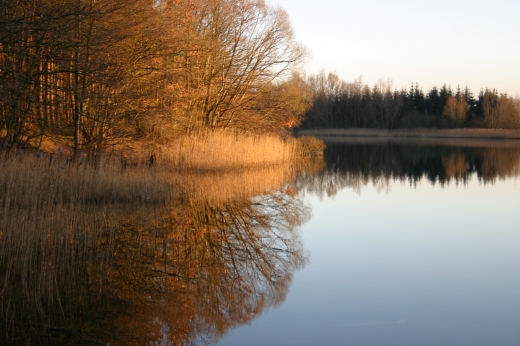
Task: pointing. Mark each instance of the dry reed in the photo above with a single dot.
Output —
(60, 220)
(57, 221)
(220, 150)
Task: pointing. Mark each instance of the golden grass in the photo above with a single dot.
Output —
(60, 220)
(227, 151)
(54, 180)
(56, 233)
(221, 150)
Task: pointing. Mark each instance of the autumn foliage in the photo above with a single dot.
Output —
(94, 74)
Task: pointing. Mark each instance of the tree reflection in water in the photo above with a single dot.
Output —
(210, 267)
(181, 272)
(354, 165)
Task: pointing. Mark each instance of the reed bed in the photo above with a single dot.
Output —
(227, 151)
(217, 151)
(56, 180)
(57, 224)
(60, 219)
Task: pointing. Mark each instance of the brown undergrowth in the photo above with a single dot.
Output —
(221, 151)
(62, 262)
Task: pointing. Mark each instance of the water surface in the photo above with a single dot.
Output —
(389, 243)
(409, 245)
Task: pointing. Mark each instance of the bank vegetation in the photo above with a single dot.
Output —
(131, 253)
(101, 76)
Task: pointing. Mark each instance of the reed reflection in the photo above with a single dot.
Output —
(354, 165)
(159, 267)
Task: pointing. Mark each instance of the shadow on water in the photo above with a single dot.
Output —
(354, 164)
(182, 268)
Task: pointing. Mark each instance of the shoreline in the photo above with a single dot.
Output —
(423, 136)
(414, 133)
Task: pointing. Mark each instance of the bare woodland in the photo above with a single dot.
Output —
(92, 74)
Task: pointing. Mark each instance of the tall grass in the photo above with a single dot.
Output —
(60, 220)
(220, 150)
(57, 221)
(57, 180)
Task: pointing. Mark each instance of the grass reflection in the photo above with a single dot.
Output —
(142, 254)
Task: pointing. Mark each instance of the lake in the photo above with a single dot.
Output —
(383, 242)
(409, 244)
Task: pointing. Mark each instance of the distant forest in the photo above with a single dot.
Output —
(338, 104)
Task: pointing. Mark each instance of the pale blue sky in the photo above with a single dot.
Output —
(474, 43)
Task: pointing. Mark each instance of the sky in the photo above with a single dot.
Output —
(474, 43)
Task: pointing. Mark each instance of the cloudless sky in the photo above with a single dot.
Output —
(474, 43)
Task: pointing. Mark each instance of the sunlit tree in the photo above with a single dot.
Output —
(455, 110)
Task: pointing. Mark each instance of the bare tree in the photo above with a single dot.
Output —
(386, 105)
(455, 109)
(234, 52)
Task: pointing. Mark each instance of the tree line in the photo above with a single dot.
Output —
(92, 74)
(338, 104)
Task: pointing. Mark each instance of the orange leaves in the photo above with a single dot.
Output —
(290, 123)
(290, 191)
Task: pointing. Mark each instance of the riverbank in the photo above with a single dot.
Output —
(212, 151)
(459, 137)
(85, 246)
(415, 133)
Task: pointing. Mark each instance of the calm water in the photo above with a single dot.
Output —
(409, 245)
(386, 243)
